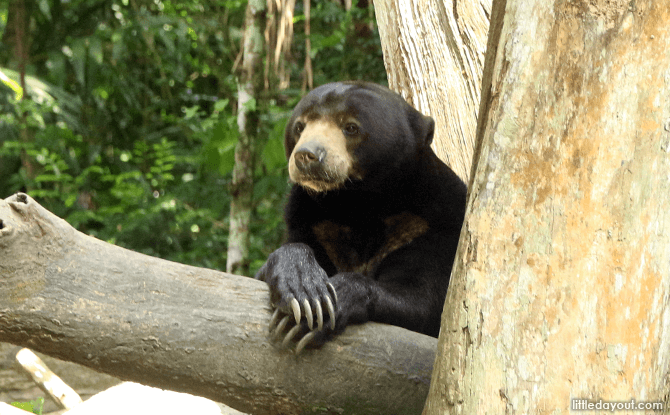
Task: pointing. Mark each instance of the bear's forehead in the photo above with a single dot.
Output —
(331, 98)
(333, 90)
(338, 101)
(328, 107)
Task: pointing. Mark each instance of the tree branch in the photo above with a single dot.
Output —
(188, 329)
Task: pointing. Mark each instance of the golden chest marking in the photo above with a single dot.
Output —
(340, 242)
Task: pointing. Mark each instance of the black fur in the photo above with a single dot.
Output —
(386, 237)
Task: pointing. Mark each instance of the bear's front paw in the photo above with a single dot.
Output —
(299, 287)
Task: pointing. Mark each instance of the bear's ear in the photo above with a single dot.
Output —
(429, 129)
(423, 127)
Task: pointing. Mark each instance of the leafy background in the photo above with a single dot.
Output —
(129, 124)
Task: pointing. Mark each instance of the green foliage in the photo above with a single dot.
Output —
(128, 126)
(35, 406)
(344, 45)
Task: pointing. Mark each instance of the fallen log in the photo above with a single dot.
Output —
(188, 329)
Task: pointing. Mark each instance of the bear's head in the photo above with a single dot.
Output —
(353, 135)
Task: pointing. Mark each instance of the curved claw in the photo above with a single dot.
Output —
(303, 342)
(308, 313)
(273, 320)
(331, 288)
(296, 310)
(290, 335)
(280, 327)
(319, 317)
(331, 312)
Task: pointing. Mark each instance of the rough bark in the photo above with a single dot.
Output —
(242, 185)
(188, 329)
(561, 286)
(434, 55)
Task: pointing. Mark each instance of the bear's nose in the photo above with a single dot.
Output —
(309, 155)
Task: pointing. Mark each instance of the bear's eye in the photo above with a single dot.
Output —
(299, 127)
(351, 128)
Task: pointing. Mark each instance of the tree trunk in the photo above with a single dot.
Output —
(434, 55)
(17, 36)
(561, 286)
(242, 186)
(188, 329)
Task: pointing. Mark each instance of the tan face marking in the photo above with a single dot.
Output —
(337, 165)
